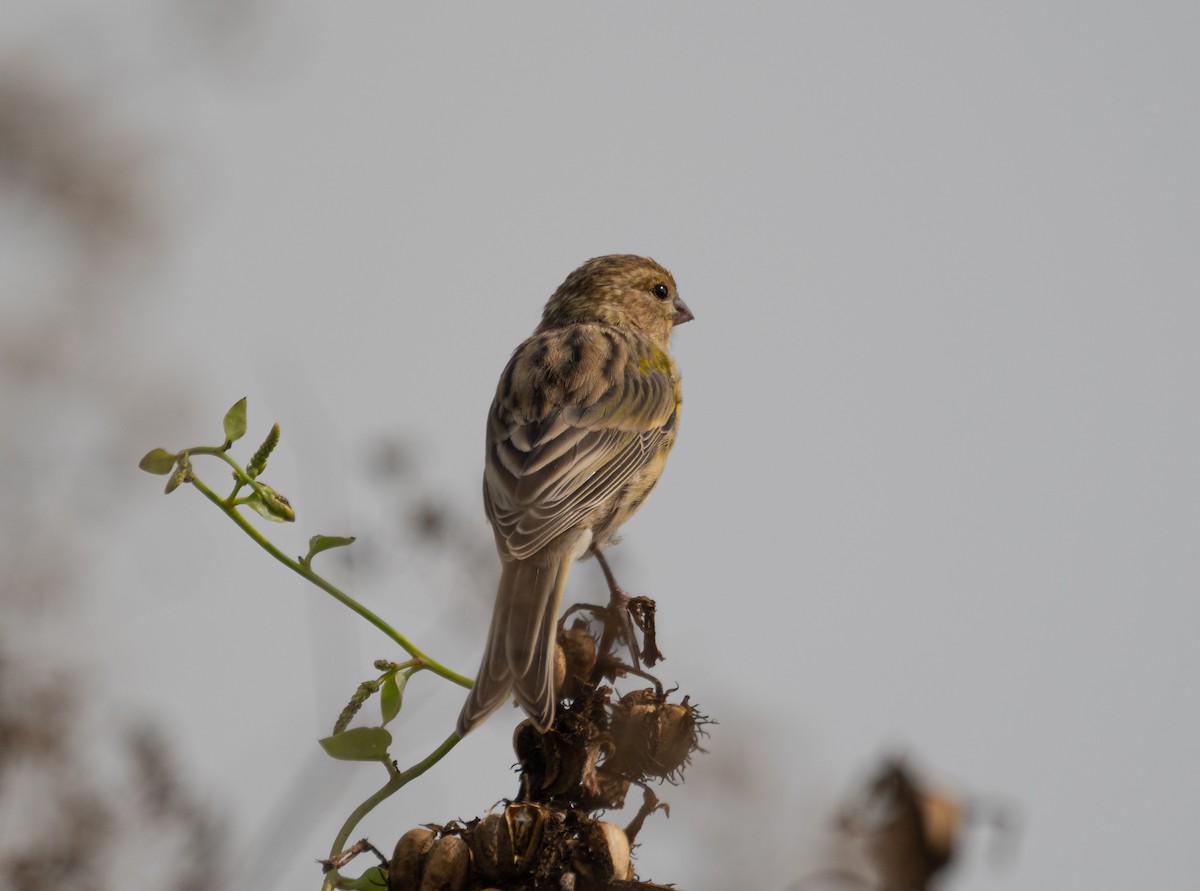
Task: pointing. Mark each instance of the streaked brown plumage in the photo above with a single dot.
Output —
(584, 416)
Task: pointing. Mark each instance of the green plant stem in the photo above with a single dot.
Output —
(305, 572)
(396, 780)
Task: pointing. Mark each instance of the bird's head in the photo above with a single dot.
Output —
(619, 289)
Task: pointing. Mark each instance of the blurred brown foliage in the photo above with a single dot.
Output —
(83, 796)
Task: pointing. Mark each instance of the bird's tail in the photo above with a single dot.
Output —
(519, 656)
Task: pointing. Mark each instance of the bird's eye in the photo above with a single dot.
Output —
(661, 291)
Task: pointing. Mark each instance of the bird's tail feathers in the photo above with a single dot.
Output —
(519, 656)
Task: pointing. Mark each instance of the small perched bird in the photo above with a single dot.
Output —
(578, 434)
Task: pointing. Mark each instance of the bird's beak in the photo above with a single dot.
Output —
(682, 313)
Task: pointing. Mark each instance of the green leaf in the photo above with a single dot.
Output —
(319, 543)
(391, 696)
(358, 744)
(374, 879)
(235, 421)
(159, 461)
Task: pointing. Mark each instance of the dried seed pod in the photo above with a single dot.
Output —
(610, 790)
(408, 860)
(509, 844)
(560, 668)
(526, 743)
(560, 763)
(617, 843)
(676, 739)
(448, 865)
(909, 834)
(543, 772)
(943, 818)
(604, 853)
(526, 823)
(632, 730)
(653, 737)
(491, 848)
(579, 656)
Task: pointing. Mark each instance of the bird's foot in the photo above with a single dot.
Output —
(627, 611)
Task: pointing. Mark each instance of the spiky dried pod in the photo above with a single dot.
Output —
(408, 860)
(603, 855)
(678, 738)
(448, 865)
(652, 737)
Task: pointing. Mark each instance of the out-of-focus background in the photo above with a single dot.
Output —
(936, 486)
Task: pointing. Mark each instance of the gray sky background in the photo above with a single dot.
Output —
(936, 486)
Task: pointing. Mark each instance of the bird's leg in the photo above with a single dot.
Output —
(619, 597)
(618, 607)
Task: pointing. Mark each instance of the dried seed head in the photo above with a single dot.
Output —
(448, 865)
(408, 860)
(653, 737)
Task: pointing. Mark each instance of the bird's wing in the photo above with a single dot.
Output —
(546, 474)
